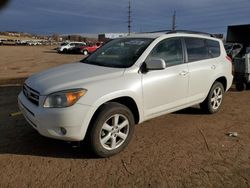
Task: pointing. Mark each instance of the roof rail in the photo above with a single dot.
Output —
(190, 32)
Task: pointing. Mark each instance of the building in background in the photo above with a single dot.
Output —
(108, 36)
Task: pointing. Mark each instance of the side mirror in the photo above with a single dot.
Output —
(155, 64)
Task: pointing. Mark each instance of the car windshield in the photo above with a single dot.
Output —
(119, 53)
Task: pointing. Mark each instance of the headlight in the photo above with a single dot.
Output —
(64, 98)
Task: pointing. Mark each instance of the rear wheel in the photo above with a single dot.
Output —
(112, 130)
(241, 86)
(214, 99)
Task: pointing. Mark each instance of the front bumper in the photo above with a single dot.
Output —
(49, 121)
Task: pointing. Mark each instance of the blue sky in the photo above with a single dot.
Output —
(100, 16)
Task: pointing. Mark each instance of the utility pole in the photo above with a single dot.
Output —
(129, 17)
(174, 21)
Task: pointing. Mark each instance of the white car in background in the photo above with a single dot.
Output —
(126, 82)
(67, 45)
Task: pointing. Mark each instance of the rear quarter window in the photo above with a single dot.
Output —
(213, 48)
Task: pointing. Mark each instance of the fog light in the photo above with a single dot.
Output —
(63, 131)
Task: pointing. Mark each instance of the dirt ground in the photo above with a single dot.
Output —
(182, 149)
(18, 62)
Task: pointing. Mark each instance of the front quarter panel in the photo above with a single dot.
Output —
(100, 92)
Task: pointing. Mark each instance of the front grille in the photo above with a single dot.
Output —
(31, 94)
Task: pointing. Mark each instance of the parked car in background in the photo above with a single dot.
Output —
(126, 82)
(34, 43)
(21, 42)
(1, 42)
(68, 45)
(90, 48)
(77, 49)
(8, 42)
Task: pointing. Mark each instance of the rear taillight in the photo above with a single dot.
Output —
(229, 59)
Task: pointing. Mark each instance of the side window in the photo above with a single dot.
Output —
(196, 49)
(170, 50)
(213, 48)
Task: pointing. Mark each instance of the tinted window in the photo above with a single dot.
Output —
(196, 49)
(170, 50)
(213, 48)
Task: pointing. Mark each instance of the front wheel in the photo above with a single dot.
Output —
(214, 99)
(112, 130)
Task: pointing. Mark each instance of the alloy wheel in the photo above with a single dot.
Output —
(216, 98)
(114, 131)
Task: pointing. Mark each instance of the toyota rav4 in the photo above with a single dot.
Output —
(126, 82)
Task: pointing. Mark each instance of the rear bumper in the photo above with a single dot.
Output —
(50, 121)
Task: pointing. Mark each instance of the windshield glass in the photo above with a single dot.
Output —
(119, 53)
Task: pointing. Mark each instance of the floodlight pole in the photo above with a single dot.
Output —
(174, 21)
(129, 17)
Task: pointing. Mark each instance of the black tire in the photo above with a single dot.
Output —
(241, 86)
(64, 51)
(208, 105)
(248, 86)
(97, 133)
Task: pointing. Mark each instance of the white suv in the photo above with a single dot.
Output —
(67, 45)
(126, 82)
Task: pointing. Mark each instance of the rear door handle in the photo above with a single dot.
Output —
(183, 73)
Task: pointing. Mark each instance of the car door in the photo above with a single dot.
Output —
(166, 89)
(202, 68)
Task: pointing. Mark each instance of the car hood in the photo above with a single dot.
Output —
(70, 76)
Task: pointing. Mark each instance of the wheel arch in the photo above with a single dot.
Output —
(223, 81)
(124, 100)
(127, 101)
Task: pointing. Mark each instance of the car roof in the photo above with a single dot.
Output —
(179, 34)
(145, 35)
